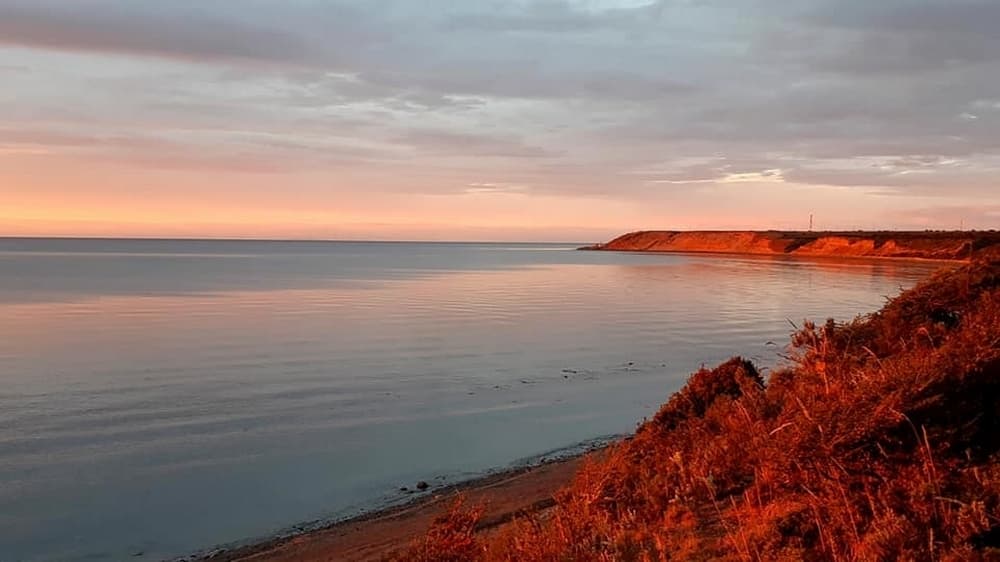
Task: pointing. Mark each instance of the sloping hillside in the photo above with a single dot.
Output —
(880, 440)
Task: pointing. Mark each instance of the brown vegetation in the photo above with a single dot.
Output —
(880, 440)
(913, 245)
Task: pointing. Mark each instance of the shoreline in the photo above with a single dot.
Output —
(792, 256)
(372, 535)
(507, 493)
(955, 247)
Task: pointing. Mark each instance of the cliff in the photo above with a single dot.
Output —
(912, 245)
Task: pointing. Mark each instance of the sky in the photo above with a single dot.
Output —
(557, 120)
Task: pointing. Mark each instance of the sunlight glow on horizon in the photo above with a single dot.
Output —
(575, 120)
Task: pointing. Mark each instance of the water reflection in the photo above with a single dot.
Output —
(181, 406)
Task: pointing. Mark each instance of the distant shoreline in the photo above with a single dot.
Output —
(935, 246)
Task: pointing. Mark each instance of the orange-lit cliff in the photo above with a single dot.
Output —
(921, 245)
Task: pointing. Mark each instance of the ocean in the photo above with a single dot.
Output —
(159, 398)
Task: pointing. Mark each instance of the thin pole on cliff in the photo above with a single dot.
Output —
(810, 222)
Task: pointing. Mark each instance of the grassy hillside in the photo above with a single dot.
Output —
(880, 440)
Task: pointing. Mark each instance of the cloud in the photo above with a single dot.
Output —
(399, 47)
(949, 217)
(495, 187)
(184, 32)
(961, 17)
(430, 141)
(629, 100)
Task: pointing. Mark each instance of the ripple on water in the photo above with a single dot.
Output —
(218, 399)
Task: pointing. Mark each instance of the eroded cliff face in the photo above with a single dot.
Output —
(922, 245)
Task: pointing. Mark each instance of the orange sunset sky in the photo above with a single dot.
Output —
(552, 120)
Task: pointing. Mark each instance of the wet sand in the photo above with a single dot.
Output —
(505, 496)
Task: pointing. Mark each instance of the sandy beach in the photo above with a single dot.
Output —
(373, 536)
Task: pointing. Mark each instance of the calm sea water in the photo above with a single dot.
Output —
(162, 397)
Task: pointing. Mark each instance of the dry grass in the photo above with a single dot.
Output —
(880, 441)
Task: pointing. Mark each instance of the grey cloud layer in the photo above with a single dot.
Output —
(583, 95)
